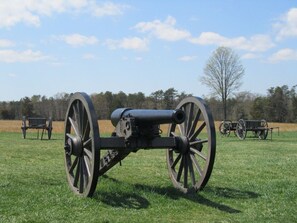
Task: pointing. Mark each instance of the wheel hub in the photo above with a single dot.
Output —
(183, 144)
(74, 146)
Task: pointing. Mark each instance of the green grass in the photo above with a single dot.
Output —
(252, 181)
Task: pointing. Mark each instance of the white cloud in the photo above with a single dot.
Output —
(163, 30)
(107, 9)
(13, 12)
(89, 56)
(6, 43)
(134, 43)
(29, 12)
(12, 56)
(256, 43)
(12, 75)
(77, 39)
(283, 54)
(250, 56)
(287, 25)
(138, 58)
(187, 58)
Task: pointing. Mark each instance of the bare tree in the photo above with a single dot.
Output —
(222, 73)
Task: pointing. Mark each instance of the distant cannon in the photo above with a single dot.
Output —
(37, 123)
(190, 143)
(258, 127)
(227, 126)
(241, 127)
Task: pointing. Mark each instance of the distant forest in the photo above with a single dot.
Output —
(279, 105)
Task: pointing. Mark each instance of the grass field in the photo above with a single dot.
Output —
(252, 181)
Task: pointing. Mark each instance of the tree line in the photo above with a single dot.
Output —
(278, 105)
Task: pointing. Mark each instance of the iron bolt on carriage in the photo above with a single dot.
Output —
(190, 143)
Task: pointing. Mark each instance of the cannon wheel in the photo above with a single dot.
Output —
(24, 127)
(262, 134)
(224, 128)
(241, 129)
(49, 128)
(82, 145)
(190, 166)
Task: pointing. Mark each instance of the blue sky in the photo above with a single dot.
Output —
(49, 47)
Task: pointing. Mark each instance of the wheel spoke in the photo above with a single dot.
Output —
(79, 115)
(185, 171)
(88, 143)
(87, 165)
(88, 153)
(198, 131)
(76, 112)
(198, 153)
(83, 119)
(181, 129)
(198, 142)
(196, 164)
(180, 170)
(76, 177)
(74, 164)
(192, 174)
(182, 126)
(173, 134)
(194, 124)
(74, 126)
(176, 160)
(81, 173)
(190, 117)
(86, 130)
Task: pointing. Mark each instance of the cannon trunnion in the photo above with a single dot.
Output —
(190, 142)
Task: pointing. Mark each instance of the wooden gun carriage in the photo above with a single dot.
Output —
(190, 142)
(241, 127)
(228, 126)
(258, 127)
(37, 123)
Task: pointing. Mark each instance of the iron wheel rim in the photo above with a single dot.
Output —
(81, 123)
(190, 171)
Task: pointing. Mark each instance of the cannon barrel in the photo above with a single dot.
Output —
(149, 116)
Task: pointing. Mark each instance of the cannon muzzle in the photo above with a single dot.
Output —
(149, 116)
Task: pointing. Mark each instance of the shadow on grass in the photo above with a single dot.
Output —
(43, 139)
(124, 200)
(232, 193)
(134, 201)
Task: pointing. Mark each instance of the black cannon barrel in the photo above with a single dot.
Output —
(149, 116)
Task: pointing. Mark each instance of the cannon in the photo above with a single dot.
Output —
(37, 123)
(258, 127)
(241, 127)
(190, 142)
(227, 126)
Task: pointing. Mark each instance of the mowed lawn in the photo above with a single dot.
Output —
(252, 181)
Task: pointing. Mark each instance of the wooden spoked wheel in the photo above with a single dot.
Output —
(224, 128)
(24, 127)
(49, 128)
(262, 134)
(241, 129)
(82, 145)
(190, 164)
